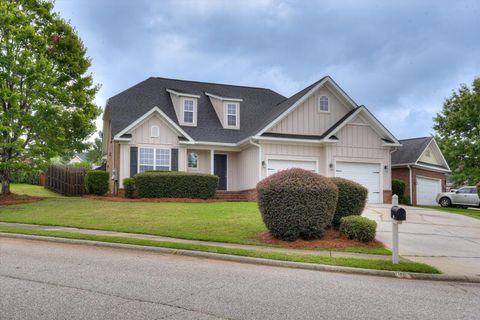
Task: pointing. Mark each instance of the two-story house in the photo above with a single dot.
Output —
(243, 134)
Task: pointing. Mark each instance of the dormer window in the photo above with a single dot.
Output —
(323, 104)
(188, 110)
(154, 132)
(232, 115)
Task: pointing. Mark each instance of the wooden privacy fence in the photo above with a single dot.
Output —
(66, 180)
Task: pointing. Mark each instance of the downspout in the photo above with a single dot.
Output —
(410, 185)
(259, 158)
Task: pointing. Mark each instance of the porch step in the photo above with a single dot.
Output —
(231, 196)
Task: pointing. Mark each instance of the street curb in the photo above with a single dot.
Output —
(250, 260)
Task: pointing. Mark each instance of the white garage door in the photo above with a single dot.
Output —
(427, 190)
(367, 174)
(278, 165)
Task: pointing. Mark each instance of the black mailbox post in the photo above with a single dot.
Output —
(398, 214)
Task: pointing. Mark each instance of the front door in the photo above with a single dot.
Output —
(220, 170)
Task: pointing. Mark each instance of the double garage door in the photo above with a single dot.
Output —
(367, 174)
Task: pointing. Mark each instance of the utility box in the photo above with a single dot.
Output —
(398, 214)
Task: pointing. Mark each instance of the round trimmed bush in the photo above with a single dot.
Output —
(129, 186)
(96, 182)
(352, 198)
(296, 204)
(358, 228)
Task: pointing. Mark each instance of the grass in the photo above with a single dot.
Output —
(306, 258)
(473, 213)
(32, 190)
(233, 222)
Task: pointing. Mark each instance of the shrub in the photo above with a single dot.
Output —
(28, 177)
(130, 188)
(405, 200)
(96, 182)
(352, 198)
(398, 188)
(175, 184)
(296, 204)
(83, 164)
(358, 228)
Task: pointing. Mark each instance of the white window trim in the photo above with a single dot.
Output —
(198, 160)
(154, 157)
(237, 109)
(157, 131)
(328, 104)
(194, 122)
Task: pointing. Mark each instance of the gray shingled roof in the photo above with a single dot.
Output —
(257, 106)
(410, 150)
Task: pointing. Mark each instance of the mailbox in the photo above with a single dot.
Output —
(397, 213)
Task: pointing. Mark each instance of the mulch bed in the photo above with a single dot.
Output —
(123, 199)
(17, 199)
(331, 239)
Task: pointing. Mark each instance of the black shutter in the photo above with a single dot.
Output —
(174, 159)
(133, 161)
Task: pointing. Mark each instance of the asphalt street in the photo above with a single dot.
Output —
(43, 280)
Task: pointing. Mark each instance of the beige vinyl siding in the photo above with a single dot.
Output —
(204, 163)
(176, 106)
(245, 175)
(219, 109)
(167, 137)
(292, 152)
(359, 143)
(431, 156)
(306, 118)
(141, 137)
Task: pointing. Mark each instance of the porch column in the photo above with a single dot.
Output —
(212, 153)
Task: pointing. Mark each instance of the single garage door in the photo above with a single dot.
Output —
(367, 174)
(278, 165)
(427, 190)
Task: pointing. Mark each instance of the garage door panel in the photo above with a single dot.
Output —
(366, 174)
(427, 190)
(276, 165)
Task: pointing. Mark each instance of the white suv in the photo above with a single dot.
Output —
(464, 197)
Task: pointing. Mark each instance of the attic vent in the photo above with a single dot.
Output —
(154, 132)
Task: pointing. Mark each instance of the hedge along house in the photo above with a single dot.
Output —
(243, 134)
(422, 166)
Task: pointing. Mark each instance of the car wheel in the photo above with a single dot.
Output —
(445, 202)
(464, 207)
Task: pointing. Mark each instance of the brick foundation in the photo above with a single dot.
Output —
(387, 196)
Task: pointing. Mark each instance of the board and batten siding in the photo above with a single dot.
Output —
(360, 143)
(141, 136)
(245, 175)
(306, 118)
(292, 152)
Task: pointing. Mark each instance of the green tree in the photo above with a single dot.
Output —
(94, 153)
(46, 92)
(457, 129)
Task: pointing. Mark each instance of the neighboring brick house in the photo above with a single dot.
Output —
(243, 134)
(422, 166)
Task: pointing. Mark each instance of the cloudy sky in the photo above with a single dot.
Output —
(399, 58)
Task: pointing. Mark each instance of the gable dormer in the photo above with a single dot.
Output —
(227, 110)
(186, 107)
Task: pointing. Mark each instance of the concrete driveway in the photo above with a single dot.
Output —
(450, 242)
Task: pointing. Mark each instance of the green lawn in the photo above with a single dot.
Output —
(32, 190)
(470, 212)
(233, 222)
(306, 258)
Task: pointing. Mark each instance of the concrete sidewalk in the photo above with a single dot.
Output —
(328, 253)
(449, 242)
